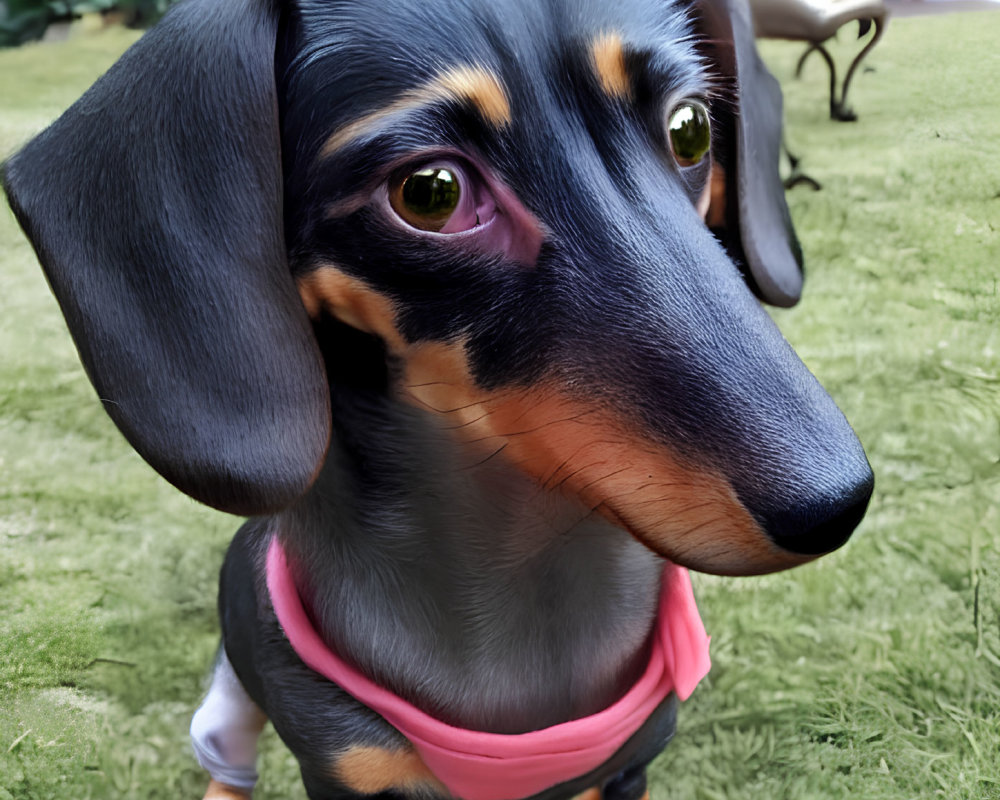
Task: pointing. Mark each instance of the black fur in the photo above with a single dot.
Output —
(155, 206)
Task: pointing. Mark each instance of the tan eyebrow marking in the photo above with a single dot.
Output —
(608, 53)
(469, 84)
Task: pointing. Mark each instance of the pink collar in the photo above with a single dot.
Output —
(475, 765)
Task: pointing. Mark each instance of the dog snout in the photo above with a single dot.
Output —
(747, 464)
(818, 516)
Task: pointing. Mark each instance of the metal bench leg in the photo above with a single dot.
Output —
(839, 110)
(817, 47)
(843, 112)
(796, 177)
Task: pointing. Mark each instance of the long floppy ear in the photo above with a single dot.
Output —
(757, 228)
(155, 207)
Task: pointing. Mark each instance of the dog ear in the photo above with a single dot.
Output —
(756, 227)
(155, 207)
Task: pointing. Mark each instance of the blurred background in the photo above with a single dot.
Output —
(30, 20)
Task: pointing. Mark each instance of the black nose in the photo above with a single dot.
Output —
(820, 524)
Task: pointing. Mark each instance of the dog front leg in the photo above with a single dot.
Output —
(224, 733)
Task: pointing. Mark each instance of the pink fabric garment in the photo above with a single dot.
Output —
(475, 765)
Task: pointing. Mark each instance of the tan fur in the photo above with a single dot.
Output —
(480, 87)
(681, 510)
(351, 301)
(370, 770)
(608, 54)
(220, 791)
(715, 213)
(471, 84)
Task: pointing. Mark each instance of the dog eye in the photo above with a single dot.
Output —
(690, 133)
(427, 198)
(442, 198)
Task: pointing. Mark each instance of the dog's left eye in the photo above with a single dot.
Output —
(441, 198)
(690, 132)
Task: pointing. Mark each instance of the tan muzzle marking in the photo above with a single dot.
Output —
(352, 302)
(681, 510)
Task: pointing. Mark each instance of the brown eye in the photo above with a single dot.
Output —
(427, 198)
(690, 133)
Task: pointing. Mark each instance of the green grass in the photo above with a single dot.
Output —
(873, 673)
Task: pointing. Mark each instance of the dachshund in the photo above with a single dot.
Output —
(461, 304)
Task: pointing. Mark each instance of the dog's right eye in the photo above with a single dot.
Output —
(427, 198)
(441, 198)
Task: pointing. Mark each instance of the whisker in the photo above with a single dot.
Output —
(466, 424)
(434, 408)
(492, 455)
(430, 383)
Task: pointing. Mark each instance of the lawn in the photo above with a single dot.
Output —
(873, 673)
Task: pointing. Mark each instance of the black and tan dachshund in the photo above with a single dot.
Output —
(459, 302)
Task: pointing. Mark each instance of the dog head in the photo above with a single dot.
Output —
(510, 198)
